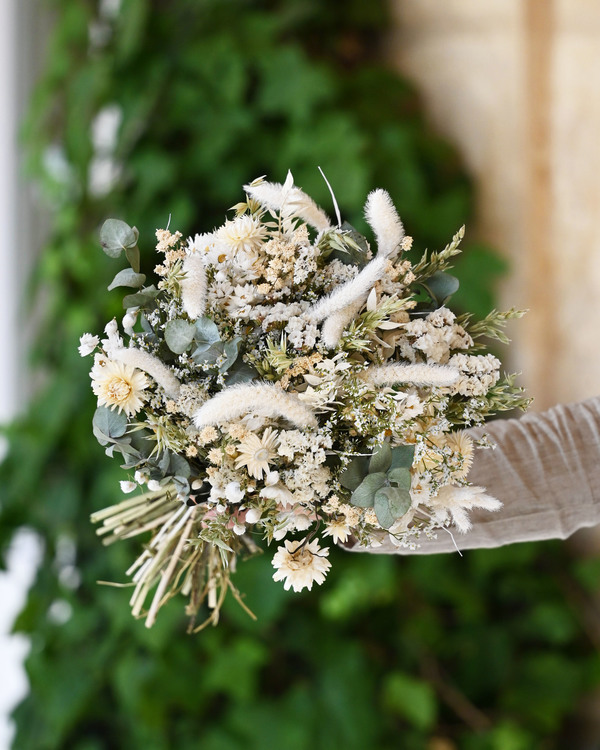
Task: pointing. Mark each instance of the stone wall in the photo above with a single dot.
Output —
(515, 85)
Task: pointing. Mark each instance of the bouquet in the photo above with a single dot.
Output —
(285, 383)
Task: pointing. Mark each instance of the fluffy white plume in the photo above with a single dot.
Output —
(193, 286)
(349, 293)
(438, 375)
(385, 222)
(335, 324)
(152, 365)
(290, 200)
(454, 502)
(262, 399)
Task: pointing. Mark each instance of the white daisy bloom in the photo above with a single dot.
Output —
(299, 564)
(338, 530)
(119, 386)
(255, 453)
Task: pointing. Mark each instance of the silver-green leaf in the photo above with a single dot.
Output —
(403, 456)
(116, 236)
(390, 504)
(110, 422)
(127, 277)
(364, 495)
(401, 477)
(381, 459)
(179, 334)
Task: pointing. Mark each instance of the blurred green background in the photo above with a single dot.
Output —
(494, 650)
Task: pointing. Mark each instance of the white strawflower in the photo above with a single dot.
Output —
(245, 233)
(87, 344)
(255, 453)
(299, 565)
(338, 530)
(118, 385)
(127, 487)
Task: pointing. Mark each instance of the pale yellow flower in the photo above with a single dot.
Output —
(462, 444)
(255, 453)
(300, 564)
(338, 530)
(119, 386)
(245, 233)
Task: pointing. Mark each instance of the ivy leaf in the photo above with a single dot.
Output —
(354, 473)
(402, 456)
(127, 277)
(110, 422)
(364, 495)
(179, 334)
(390, 503)
(401, 477)
(381, 459)
(116, 236)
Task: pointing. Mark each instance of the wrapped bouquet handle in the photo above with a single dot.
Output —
(545, 469)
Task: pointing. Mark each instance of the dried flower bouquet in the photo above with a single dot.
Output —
(283, 382)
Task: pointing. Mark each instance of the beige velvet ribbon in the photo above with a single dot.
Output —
(546, 471)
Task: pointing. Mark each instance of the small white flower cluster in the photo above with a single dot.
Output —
(282, 380)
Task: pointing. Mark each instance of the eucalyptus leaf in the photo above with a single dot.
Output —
(401, 477)
(240, 372)
(207, 355)
(145, 298)
(441, 286)
(179, 466)
(127, 277)
(402, 456)
(110, 422)
(390, 504)
(231, 351)
(381, 460)
(355, 472)
(116, 235)
(179, 334)
(364, 495)
(206, 333)
(133, 256)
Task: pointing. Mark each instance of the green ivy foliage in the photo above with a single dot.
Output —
(484, 652)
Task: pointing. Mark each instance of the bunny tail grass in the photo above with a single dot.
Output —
(335, 324)
(437, 375)
(193, 286)
(290, 200)
(349, 293)
(385, 222)
(262, 399)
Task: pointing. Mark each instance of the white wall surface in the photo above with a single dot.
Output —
(22, 32)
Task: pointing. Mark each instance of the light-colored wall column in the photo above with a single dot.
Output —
(513, 84)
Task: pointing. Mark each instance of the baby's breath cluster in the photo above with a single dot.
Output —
(283, 382)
